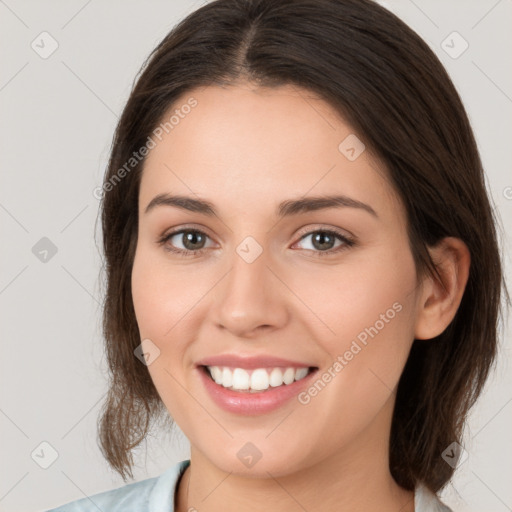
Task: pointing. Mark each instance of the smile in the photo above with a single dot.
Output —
(256, 380)
(249, 401)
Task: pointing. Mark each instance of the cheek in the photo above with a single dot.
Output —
(372, 314)
(369, 296)
(162, 295)
(367, 323)
(170, 303)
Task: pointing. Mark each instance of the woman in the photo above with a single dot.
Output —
(302, 264)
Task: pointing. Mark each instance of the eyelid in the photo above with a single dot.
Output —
(310, 228)
(302, 231)
(186, 227)
(347, 238)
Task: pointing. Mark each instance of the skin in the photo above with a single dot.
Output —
(245, 149)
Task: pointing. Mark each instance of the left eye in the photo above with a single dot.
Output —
(193, 241)
(322, 241)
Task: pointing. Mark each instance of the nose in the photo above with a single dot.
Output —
(251, 298)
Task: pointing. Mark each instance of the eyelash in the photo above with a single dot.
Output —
(348, 242)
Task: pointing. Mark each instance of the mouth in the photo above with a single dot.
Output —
(255, 380)
(255, 391)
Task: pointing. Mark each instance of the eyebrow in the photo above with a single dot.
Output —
(285, 209)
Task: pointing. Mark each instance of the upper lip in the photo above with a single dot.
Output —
(250, 362)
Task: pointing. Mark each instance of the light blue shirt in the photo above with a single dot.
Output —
(157, 495)
(151, 495)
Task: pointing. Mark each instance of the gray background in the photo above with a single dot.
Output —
(58, 115)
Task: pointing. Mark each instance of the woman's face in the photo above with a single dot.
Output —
(268, 281)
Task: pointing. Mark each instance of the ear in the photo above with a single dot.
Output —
(440, 299)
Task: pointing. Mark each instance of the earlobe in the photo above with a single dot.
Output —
(441, 298)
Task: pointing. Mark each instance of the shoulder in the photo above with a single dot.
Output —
(426, 501)
(155, 493)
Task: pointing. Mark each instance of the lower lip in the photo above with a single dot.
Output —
(250, 404)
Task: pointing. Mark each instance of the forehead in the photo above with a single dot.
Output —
(248, 146)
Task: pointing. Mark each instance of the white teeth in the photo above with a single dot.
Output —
(276, 378)
(216, 373)
(301, 373)
(226, 377)
(255, 380)
(241, 379)
(289, 375)
(259, 379)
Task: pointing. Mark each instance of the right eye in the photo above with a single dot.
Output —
(189, 239)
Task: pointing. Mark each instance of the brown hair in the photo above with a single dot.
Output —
(390, 87)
